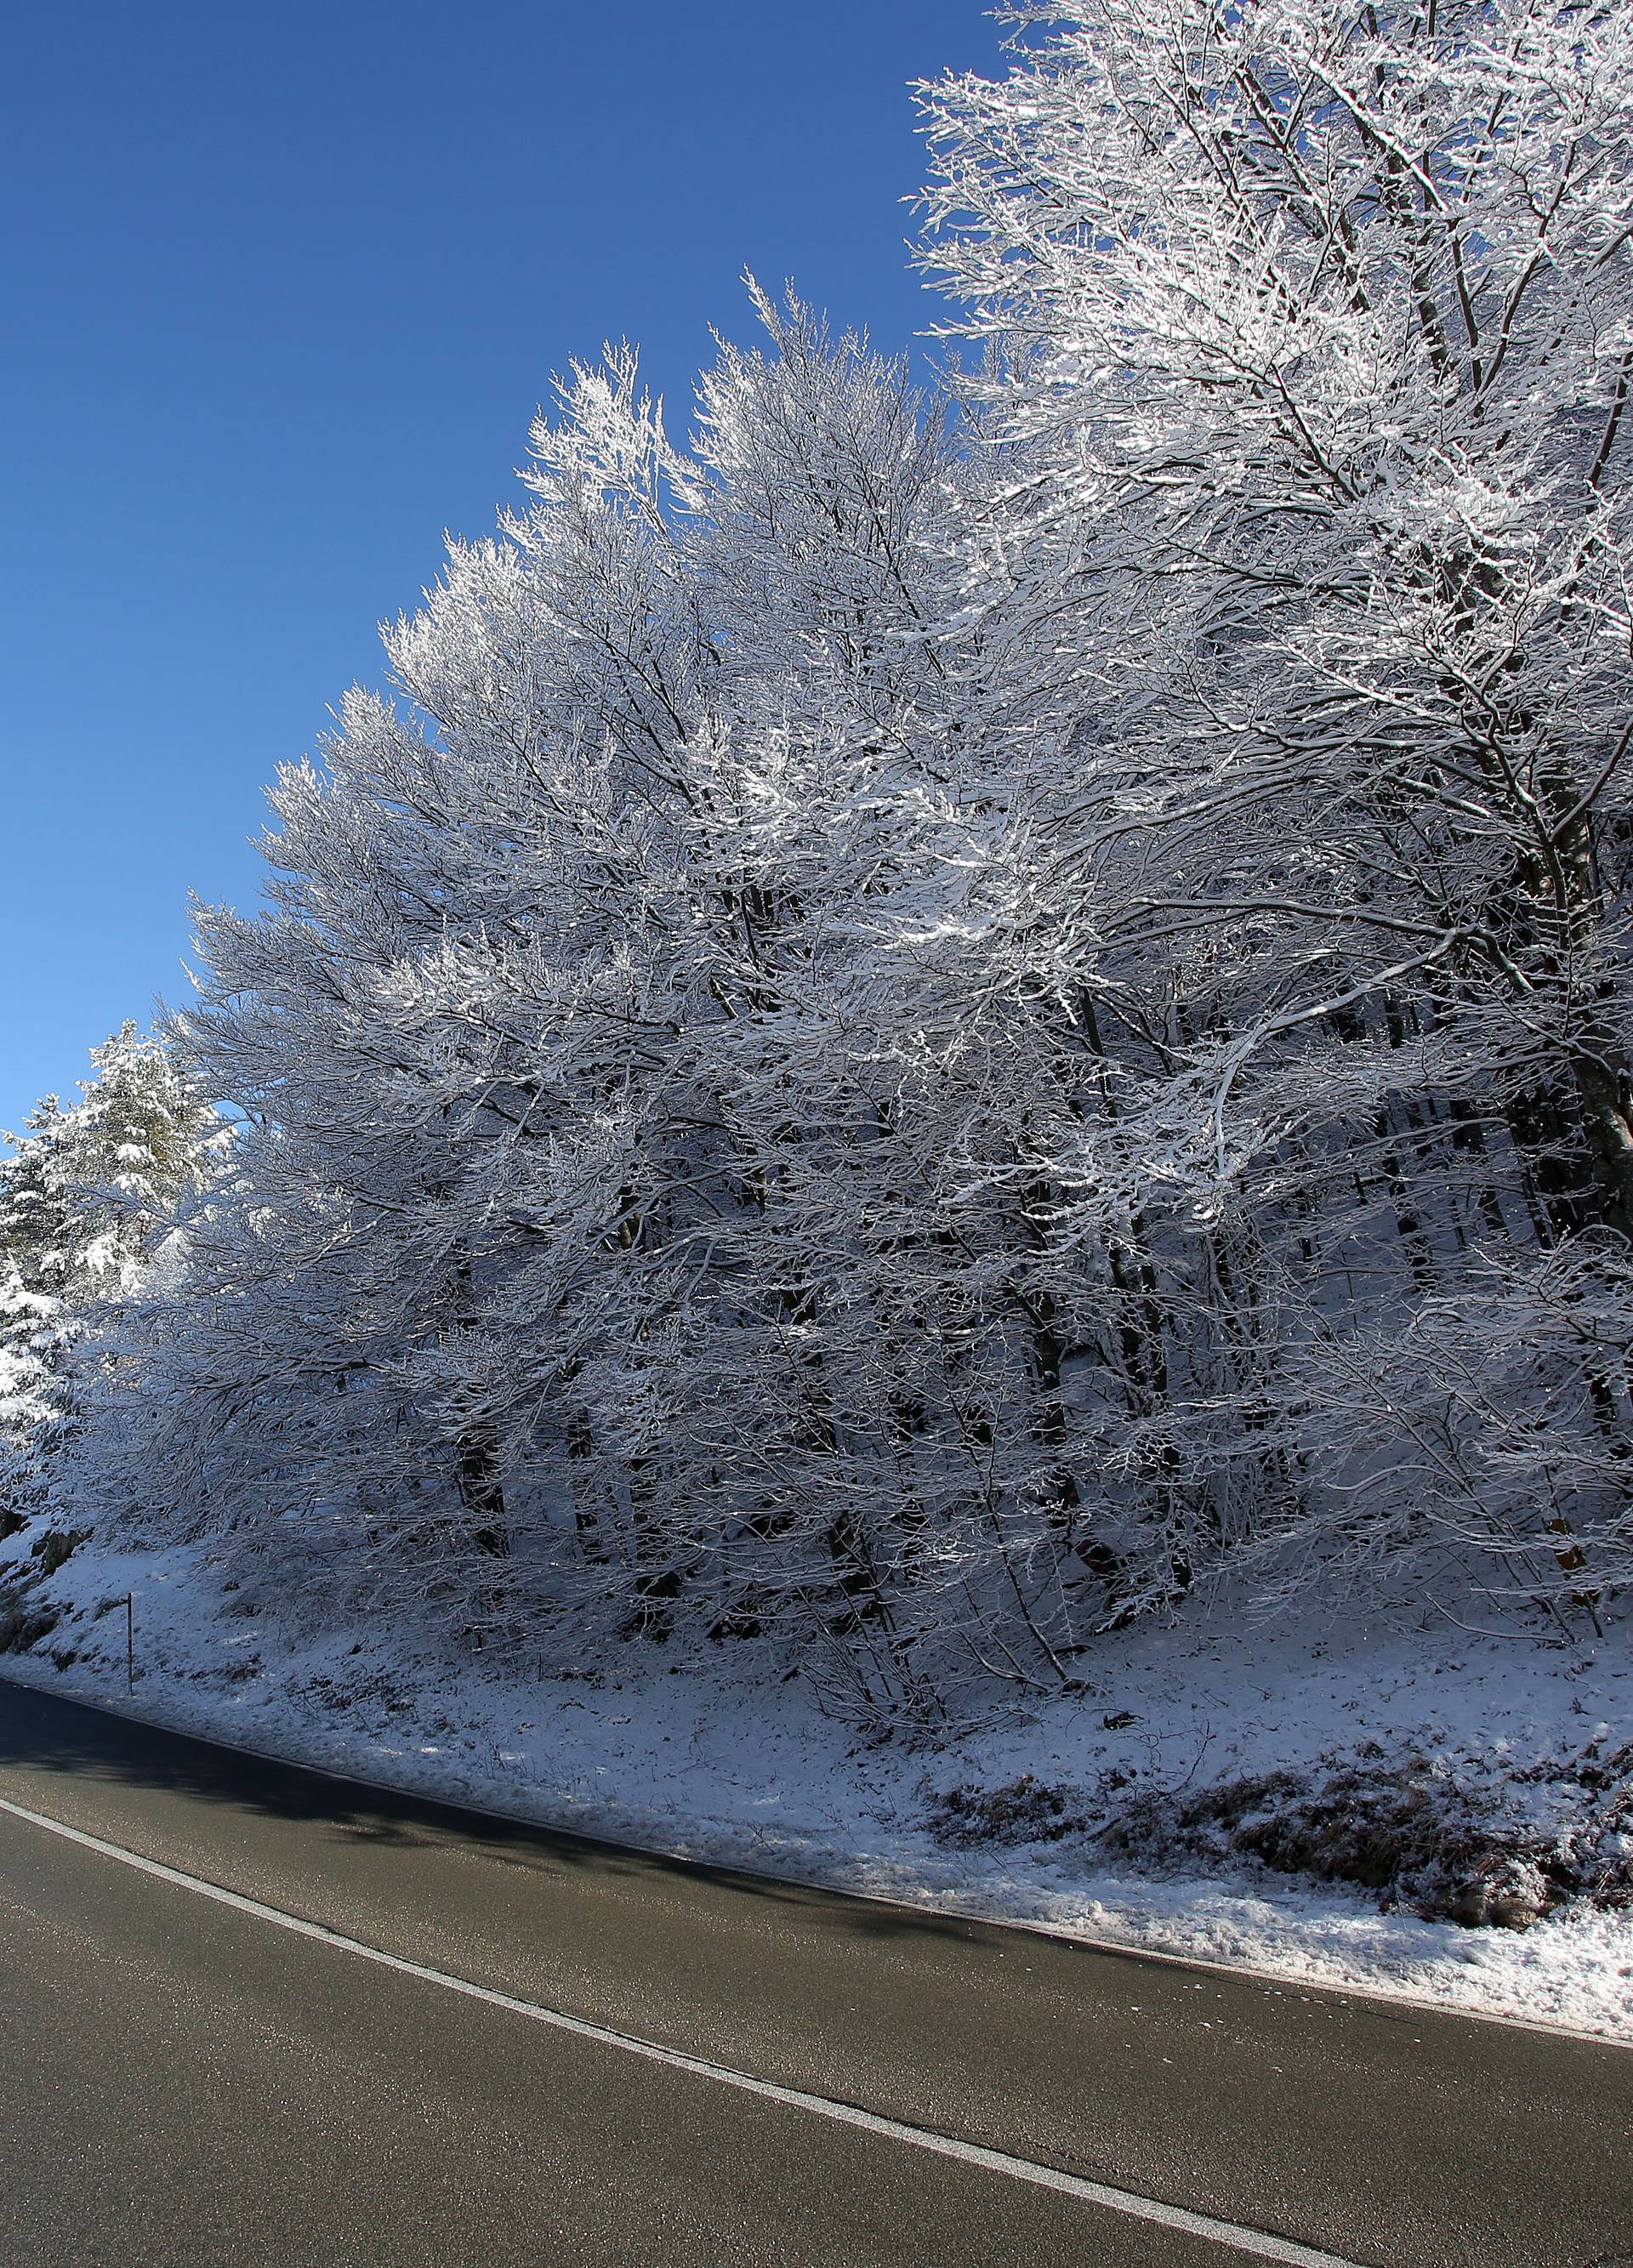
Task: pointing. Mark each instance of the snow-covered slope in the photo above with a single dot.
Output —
(1007, 1820)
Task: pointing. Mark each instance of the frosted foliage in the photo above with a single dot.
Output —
(83, 1195)
(918, 1027)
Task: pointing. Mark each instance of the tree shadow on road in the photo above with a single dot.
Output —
(48, 1734)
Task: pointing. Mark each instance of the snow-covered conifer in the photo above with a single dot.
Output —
(87, 1189)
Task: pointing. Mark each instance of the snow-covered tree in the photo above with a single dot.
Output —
(86, 1189)
(1310, 332)
(918, 1026)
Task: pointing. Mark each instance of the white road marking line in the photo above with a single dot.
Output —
(1252, 2240)
(1370, 1993)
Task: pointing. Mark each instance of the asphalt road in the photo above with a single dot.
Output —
(184, 2080)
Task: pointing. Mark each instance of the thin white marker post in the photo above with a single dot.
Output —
(130, 1641)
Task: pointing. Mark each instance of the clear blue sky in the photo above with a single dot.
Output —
(282, 289)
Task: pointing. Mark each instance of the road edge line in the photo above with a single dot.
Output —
(1378, 1996)
(1257, 2244)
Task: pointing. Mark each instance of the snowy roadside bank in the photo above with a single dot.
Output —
(1007, 1824)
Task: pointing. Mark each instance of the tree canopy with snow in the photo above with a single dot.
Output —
(918, 1026)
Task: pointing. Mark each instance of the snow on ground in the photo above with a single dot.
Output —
(751, 1774)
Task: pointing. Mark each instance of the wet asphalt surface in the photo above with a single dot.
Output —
(183, 2083)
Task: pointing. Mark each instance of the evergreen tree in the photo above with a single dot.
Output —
(86, 1190)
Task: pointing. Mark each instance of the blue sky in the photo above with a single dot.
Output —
(283, 291)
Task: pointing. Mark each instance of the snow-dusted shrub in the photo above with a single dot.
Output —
(1025, 1810)
(1479, 1851)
